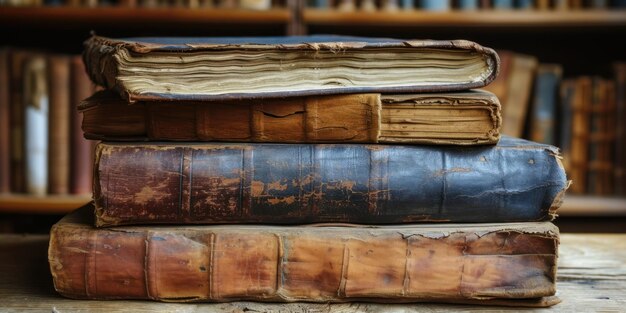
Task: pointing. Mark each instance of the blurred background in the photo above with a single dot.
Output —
(562, 82)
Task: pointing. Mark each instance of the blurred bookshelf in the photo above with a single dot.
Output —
(583, 40)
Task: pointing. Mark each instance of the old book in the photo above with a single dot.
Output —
(601, 137)
(465, 118)
(544, 106)
(5, 120)
(18, 60)
(519, 88)
(398, 263)
(576, 99)
(239, 67)
(81, 150)
(136, 183)
(59, 124)
(36, 115)
(514, 87)
(620, 129)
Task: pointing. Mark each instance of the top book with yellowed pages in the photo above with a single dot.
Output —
(214, 68)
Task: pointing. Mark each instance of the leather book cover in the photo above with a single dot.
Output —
(576, 94)
(461, 118)
(59, 124)
(620, 129)
(601, 137)
(464, 263)
(18, 59)
(81, 150)
(543, 115)
(218, 68)
(143, 183)
(5, 122)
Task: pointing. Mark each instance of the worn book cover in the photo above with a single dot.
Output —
(138, 183)
(260, 67)
(461, 118)
(475, 263)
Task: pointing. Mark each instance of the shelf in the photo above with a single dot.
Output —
(490, 18)
(121, 16)
(592, 206)
(41, 205)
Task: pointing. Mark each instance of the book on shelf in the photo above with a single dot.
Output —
(465, 263)
(514, 88)
(601, 137)
(543, 110)
(58, 79)
(44, 153)
(576, 96)
(136, 183)
(5, 120)
(81, 150)
(36, 111)
(143, 69)
(619, 69)
(465, 118)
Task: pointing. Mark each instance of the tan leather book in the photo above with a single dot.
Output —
(463, 118)
(219, 68)
(59, 124)
(316, 263)
(519, 88)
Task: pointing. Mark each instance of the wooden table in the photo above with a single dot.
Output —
(591, 278)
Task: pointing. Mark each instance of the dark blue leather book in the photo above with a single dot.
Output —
(154, 69)
(513, 181)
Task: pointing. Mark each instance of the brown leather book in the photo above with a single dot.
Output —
(601, 137)
(513, 87)
(314, 263)
(5, 122)
(576, 95)
(463, 118)
(81, 155)
(212, 68)
(59, 124)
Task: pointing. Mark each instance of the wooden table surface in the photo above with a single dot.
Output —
(591, 278)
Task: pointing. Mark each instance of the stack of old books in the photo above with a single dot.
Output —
(268, 136)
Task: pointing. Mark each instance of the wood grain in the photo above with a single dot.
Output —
(592, 276)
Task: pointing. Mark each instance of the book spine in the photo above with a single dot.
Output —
(566, 113)
(36, 110)
(519, 89)
(524, 4)
(315, 264)
(81, 150)
(435, 5)
(407, 5)
(18, 167)
(600, 137)
(502, 4)
(299, 183)
(59, 124)
(579, 156)
(5, 120)
(620, 129)
(468, 4)
(468, 118)
(544, 107)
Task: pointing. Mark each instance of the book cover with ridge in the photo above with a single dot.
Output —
(462, 118)
(464, 263)
(259, 67)
(142, 183)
